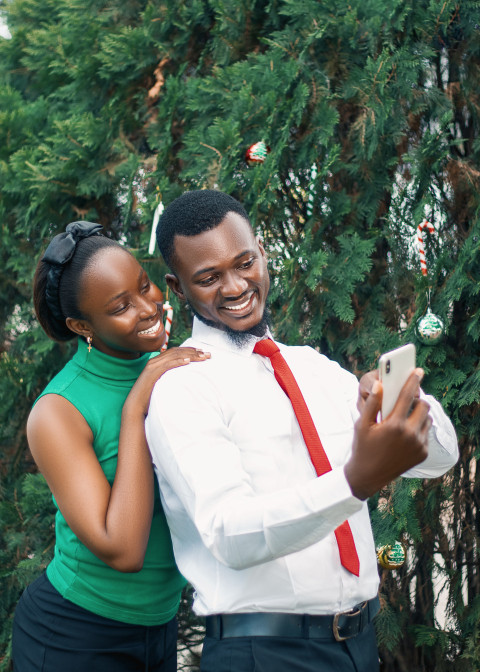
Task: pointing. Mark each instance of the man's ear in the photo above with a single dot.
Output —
(174, 283)
(259, 240)
(79, 327)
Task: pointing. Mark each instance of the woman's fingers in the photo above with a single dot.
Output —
(181, 354)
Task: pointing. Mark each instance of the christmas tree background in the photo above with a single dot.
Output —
(371, 114)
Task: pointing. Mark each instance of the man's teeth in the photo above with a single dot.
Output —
(152, 330)
(241, 306)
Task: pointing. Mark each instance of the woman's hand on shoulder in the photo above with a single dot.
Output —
(139, 397)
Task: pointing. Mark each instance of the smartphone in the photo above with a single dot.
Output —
(394, 369)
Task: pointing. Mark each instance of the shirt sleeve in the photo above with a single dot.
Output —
(443, 451)
(200, 470)
(442, 443)
(442, 440)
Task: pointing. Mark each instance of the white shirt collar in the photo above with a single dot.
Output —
(220, 339)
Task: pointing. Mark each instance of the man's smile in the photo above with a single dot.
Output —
(241, 307)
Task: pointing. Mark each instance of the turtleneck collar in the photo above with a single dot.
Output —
(106, 366)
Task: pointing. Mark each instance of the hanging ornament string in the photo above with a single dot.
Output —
(421, 246)
(430, 328)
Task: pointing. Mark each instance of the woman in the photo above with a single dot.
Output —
(108, 599)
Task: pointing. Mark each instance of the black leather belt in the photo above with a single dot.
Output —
(341, 626)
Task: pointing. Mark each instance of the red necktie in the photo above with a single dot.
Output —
(286, 380)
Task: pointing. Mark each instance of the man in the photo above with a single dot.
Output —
(258, 527)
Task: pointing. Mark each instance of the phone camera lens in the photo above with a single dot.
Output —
(387, 366)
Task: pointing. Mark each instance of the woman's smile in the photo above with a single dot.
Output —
(153, 330)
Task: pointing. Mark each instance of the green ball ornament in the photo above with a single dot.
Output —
(391, 557)
(430, 328)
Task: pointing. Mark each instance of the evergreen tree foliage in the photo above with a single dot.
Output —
(370, 111)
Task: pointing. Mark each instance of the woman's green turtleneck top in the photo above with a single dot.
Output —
(97, 385)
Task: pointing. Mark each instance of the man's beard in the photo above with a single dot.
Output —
(238, 338)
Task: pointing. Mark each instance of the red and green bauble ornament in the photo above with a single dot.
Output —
(256, 153)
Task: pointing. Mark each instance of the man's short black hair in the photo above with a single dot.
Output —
(192, 213)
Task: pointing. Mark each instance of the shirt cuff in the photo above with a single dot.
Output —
(442, 428)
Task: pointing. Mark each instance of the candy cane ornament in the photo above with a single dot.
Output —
(421, 246)
(168, 323)
(430, 327)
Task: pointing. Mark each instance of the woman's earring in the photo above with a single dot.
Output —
(89, 341)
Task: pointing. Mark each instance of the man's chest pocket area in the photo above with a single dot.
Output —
(268, 416)
(332, 417)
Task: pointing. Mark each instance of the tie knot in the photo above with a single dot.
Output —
(267, 347)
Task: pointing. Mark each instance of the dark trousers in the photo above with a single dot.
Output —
(51, 634)
(281, 654)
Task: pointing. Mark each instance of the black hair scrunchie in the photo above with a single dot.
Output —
(58, 253)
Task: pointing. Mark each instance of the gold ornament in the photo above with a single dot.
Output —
(391, 557)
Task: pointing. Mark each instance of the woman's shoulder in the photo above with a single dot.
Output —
(49, 406)
(65, 379)
(51, 417)
(58, 396)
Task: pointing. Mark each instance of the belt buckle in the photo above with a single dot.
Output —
(336, 634)
(336, 618)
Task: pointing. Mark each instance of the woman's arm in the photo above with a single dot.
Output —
(113, 522)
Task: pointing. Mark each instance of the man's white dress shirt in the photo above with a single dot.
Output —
(251, 523)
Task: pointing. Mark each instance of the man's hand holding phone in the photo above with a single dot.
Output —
(384, 450)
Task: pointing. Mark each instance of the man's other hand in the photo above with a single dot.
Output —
(384, 450)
